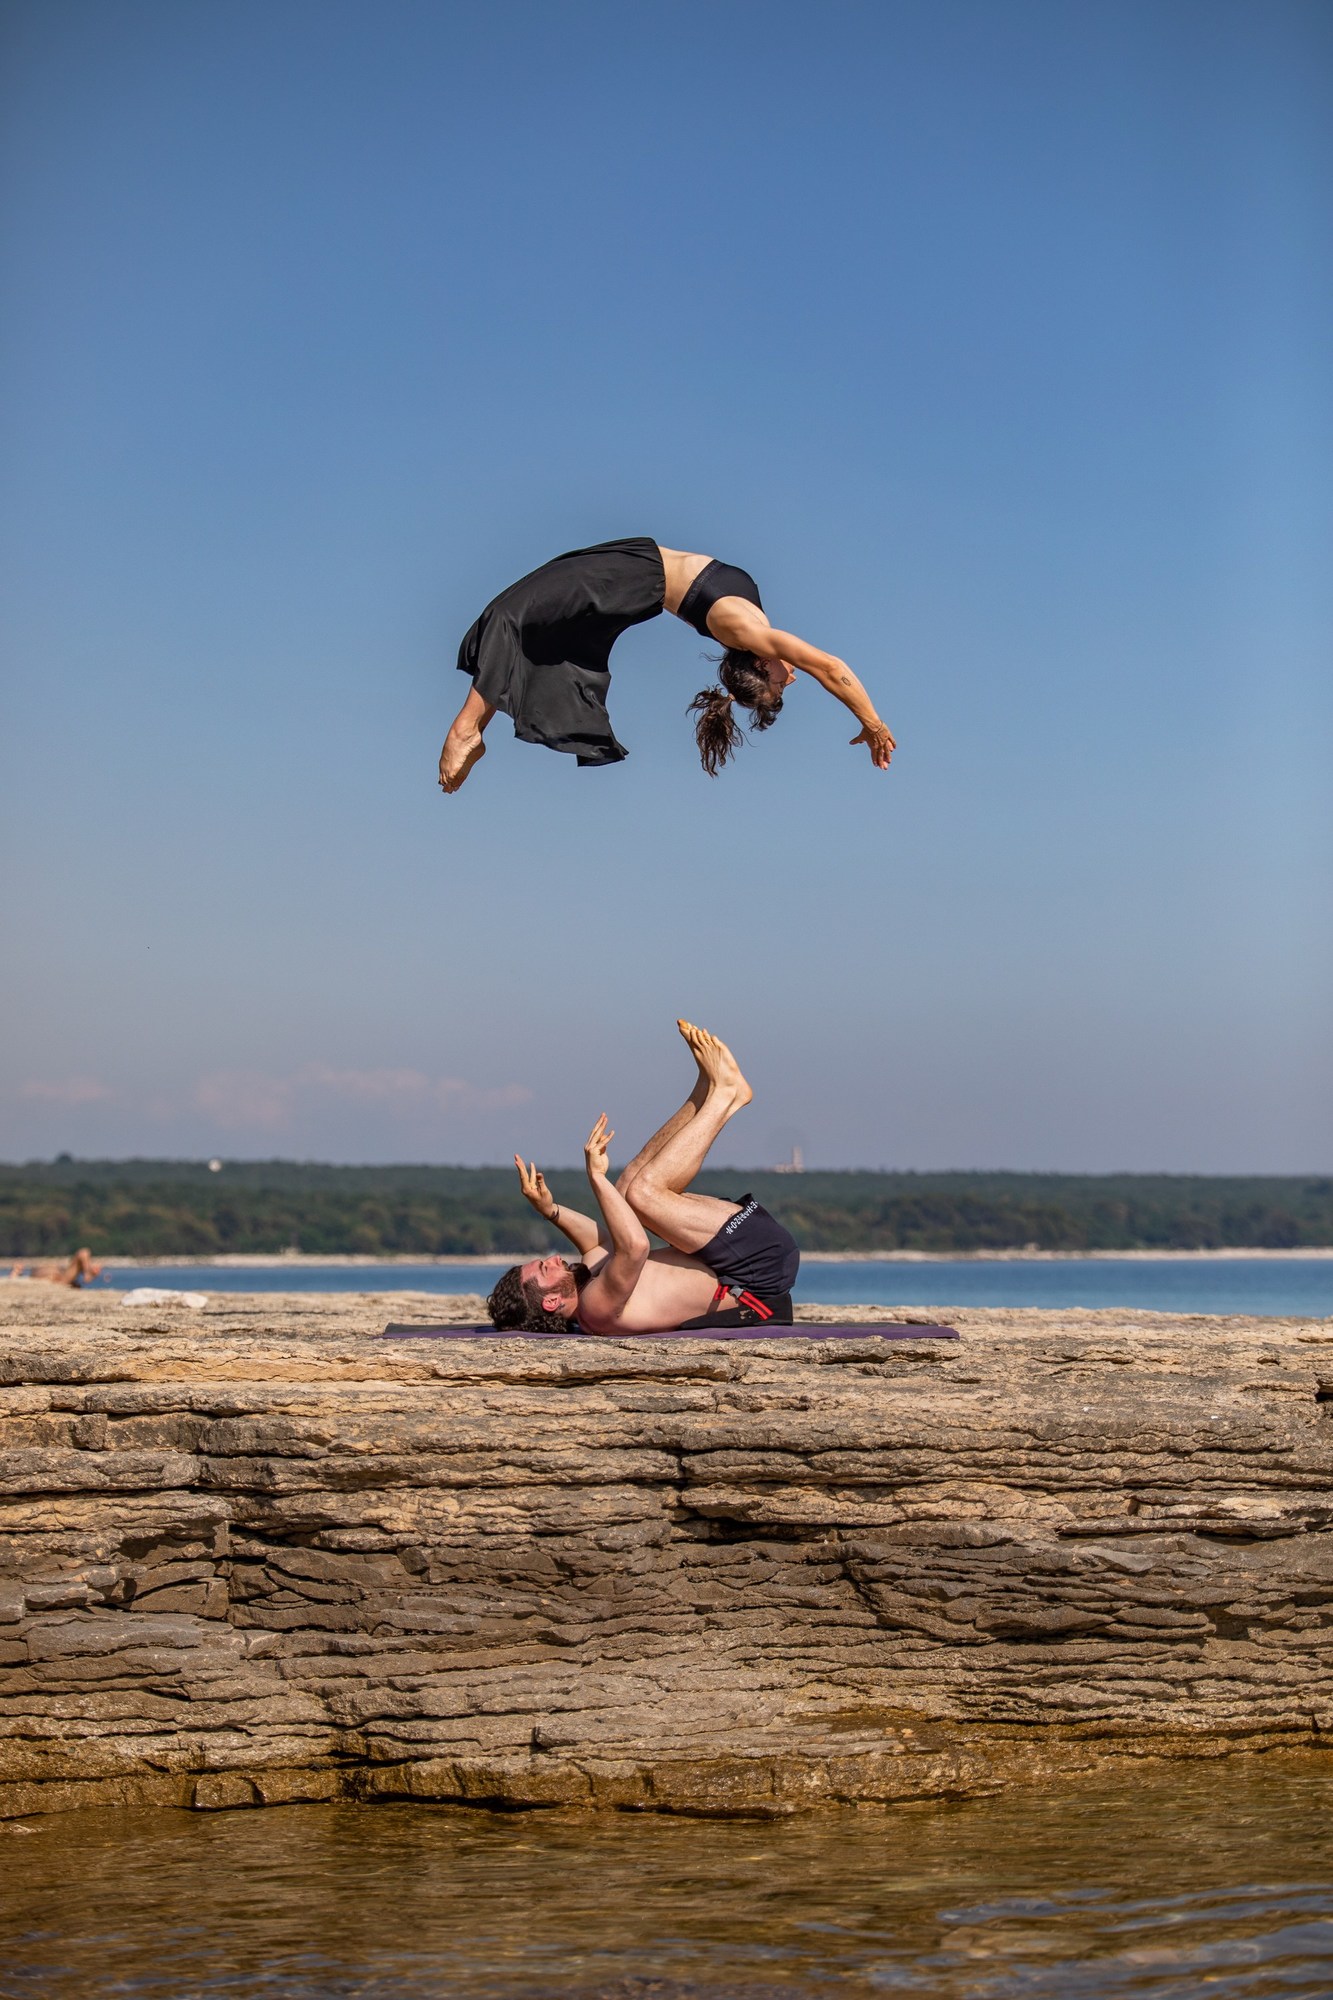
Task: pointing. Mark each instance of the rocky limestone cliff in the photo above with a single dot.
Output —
(256, 1554)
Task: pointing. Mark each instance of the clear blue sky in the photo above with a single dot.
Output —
(993, 339)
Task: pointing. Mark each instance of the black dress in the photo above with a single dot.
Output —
(540, 651)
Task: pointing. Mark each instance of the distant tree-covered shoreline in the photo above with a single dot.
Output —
(158, 1208)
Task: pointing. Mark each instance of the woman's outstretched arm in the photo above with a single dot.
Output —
(735, 623)
(835, 675)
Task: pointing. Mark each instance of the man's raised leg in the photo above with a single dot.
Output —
(678, 1119)
(675, 1155)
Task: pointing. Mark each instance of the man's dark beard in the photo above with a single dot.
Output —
(581, 1275)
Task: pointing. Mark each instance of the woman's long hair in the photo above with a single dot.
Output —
(717, 731)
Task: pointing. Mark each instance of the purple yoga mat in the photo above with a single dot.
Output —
(895, 1331)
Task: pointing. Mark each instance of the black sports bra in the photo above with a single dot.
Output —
(716, 579)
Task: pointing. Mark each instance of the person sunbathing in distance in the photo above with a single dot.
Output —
(729, 1263)
(540, 653)
(79, 1270)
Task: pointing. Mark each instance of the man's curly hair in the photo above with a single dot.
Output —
(517, 1308)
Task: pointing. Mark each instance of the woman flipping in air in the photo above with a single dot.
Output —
(540, 652)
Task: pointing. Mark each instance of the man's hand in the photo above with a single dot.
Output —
(533, 1183)
(594, 1151)
(881, 741)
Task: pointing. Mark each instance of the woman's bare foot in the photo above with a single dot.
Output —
(460, 753)
(717, 1065)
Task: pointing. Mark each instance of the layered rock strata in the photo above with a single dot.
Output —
(256, 1554)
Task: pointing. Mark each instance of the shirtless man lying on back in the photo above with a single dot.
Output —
(730, 1263)
(81, 1269)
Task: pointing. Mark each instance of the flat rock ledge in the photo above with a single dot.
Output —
(255, 1554)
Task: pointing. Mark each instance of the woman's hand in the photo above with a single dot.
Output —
(594, 1152)
(533, 1183)
(881, 742)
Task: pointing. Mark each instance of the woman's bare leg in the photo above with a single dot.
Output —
(463, 746)
(658, 1195)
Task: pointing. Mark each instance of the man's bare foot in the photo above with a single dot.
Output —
(695, 1039)
(717, 1065)
(730, 1076)
(458, 756)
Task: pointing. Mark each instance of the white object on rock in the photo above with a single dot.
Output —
(155, 1295)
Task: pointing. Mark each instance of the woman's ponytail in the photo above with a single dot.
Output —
(717, 732)
(745, 683)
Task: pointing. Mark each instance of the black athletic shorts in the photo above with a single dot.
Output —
(754, 1254)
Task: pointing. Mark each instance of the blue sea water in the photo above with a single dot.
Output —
(1270, 1287)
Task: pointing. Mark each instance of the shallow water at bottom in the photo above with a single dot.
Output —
(1180, 1880)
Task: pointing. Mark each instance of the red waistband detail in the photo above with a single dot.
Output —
(746, 1299)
